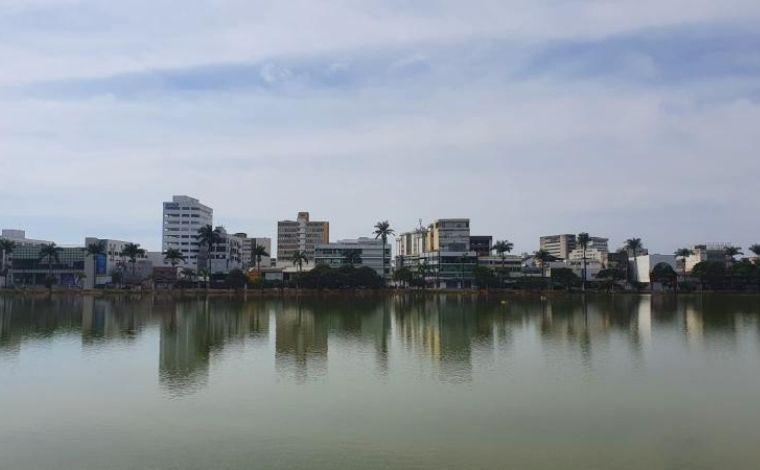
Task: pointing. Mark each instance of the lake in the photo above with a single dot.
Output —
(419, 382)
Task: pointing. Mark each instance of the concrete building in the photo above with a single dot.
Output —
(511, 265)
(183, 217)
(25, 268)
(104, 265)
(481, 244)
(19, 238)
(369, 250)
(558, 246)
(706, 252)
(642, 266)
(301, 234)
(441, 250)
(249, 245)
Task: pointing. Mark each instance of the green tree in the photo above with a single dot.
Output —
(352, 257)
(564, 277)
(683, 253)
(583, 240)
(174, 256)
(501, 247)
(382, 231)
(709, 272)
(298, 259)
(403, 275)
(664, 274)
(236, 279)
(484, 277)
(543, 257)
(756, 250)
(49, 253)
(208, 236)
(6, 248)
(259, 251)
(94, 250)
(132, 251)
(612, 276)
(730, 253)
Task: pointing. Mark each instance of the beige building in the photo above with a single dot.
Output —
(301, 234)
(558, 246)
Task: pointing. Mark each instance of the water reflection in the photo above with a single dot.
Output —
(450, 333)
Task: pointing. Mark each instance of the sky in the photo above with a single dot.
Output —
(622, 119)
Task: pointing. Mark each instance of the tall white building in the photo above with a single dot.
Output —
(183, 217)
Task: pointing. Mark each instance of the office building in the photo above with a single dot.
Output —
(441, 251)
(558, 246)
(706, 252)
(111, 260)
(301, 234)
(248, 247)
(225, 255)
(183, 218)
(369, 252)
(481, 244)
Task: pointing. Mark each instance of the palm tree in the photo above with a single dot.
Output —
(174, 256)
(501, 247)
(50, 252)
(583, 240)
(543, 257)
(352, 257)
(756, 250)
(383, 230)
(94, 250)
(298, 259)
(208, 236)
(259, 251)
(633, 245)
(683, 253)
(730, 252)
(132, 251)
(6, 247)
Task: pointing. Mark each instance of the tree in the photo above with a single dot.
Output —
(6, 247)
(756, 250)
(209, 237)
(94, 250)
(484, 277)
(543, 257)
(664, 274)
(383, 230)
(403, 275)
(710, 272)
(298, 259)
(730, 252)
(501, 247)
(612, 276)
(259, 251)
(633, 245)
(236, 279)
(50, 252)
(583, 240)
(422, 273)
(565, 277)
(683, 253)
(132, 251)
(352, 257)
(174, 256)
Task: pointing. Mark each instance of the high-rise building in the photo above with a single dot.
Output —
(558, 246)
(301, 234)
(183, 217)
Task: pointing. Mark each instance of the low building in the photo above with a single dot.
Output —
(511, 265)
(706, 252)
(26, 268)
(481, 244)
(368, 252)
(110, 261)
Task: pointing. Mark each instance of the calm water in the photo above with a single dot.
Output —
(623, 382)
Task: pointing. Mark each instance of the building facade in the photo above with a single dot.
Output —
(440, 253)
(225, 256)
(368, 250)
(183, 218)
(301, 234)
(706, 252)
(249, 246)
(481, 244)
(558, 246)
(110, 261)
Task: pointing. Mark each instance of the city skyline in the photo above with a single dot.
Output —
(529, 118)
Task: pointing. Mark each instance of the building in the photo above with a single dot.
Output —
(249, 245)
(183, 218)
(368, 250)
(481, 244)
(510, 266)
(441, 252)
(301, 234)
(110, 261)
(558, 246)
(641, 266)
(225, 255)
(706, 252)
(19, 238)
(26, 268)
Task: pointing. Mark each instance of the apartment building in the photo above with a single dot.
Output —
(301, 234)
(183, 217)
(248, 248)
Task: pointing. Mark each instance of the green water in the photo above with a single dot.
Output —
(442, 382)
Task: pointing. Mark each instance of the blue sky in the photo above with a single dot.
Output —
(618, 118)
